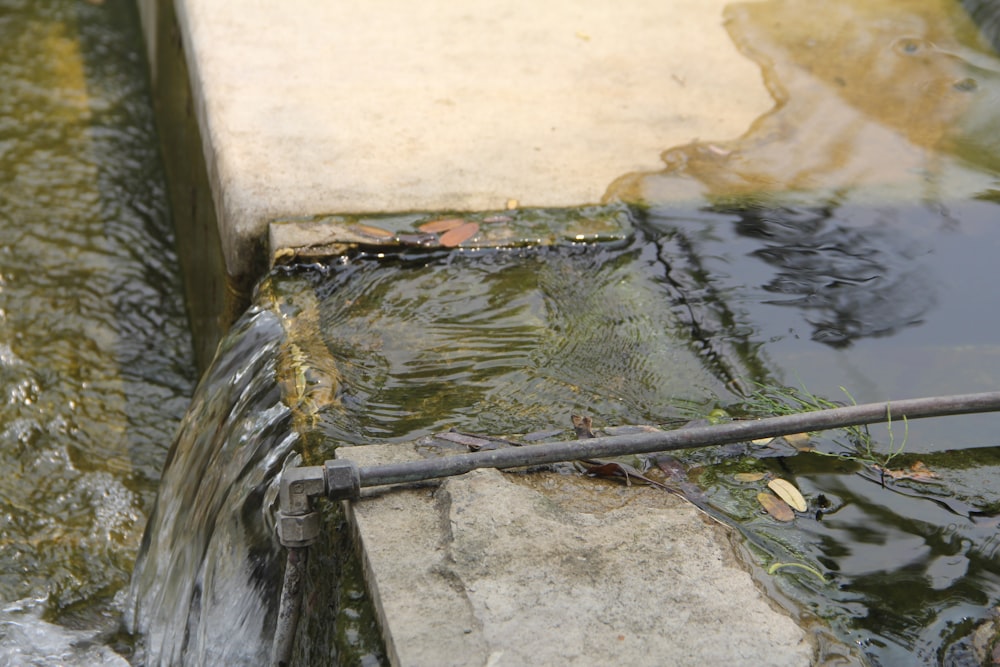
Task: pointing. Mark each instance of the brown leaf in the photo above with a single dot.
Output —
(775, 506)
(376, 232)
(596, 468)
(749, 476)
(459, 235)
(582, 426)
(675, 470)
(470, 441)
(918, 472)
(799, 441)
(789, 493)
(442, 225)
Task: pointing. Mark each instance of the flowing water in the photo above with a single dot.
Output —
(95, 361)
(846, 240)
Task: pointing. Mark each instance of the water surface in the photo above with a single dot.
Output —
(94, 353)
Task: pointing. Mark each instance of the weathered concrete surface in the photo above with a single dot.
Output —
(498, 569)
(329, 107)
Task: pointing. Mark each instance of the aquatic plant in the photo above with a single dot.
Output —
(772, 400)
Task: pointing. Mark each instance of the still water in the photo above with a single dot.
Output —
(95, 359)
(847, 239)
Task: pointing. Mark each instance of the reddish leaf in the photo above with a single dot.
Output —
(459, 235)
(376, 232)
(442, 225)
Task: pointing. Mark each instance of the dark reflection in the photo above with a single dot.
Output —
(920, 571)
(986, 14)
(850, 282)
(887, 102)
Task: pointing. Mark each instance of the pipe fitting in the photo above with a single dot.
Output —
(298, 524)
(343, 479)
(299, 530)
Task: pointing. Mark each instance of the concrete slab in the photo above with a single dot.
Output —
(542, 568)
(319, 107)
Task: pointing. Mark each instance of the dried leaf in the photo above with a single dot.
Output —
(582, 426)
(459, 235)
(376, 232)
(674, 469)
(761, 441)
(918, 472)
(470, 441)
(749, 476)
(775, 506)
(596, 468)
(798, 440)
(442, 225)
(787, 492)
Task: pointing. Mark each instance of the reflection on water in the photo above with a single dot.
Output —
(850, 278)
(912, 569)
(858, 212)
(852, 231)
(866, 94)
(94, 354)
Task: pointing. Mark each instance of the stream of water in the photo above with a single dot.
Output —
(95, 359)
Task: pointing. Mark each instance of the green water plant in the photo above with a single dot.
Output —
(860, 446)
(774, 567)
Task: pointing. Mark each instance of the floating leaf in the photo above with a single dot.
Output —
(775, 506)
(787, 492)
(749, 476)
(442, 225)
(918, 472)
(376, 232)
(459, 235)
(798, 440)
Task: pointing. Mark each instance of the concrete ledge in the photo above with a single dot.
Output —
(319, 107)
(498, 569)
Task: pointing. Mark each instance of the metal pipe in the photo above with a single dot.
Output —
(289, 607)
(683, 438)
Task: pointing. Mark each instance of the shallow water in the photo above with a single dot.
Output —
(95, 359)
(853, 229)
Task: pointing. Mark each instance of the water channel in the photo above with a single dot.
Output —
(846, 241)
(95, 355)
